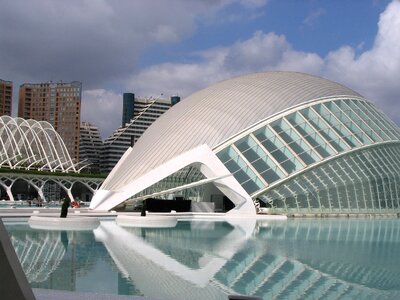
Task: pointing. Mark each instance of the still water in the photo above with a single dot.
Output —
(294, 259)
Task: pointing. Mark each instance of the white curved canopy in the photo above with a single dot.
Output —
(29, 144)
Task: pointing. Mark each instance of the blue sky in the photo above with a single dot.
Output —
(154, 47)
(311, 26)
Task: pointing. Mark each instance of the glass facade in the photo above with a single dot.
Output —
(362, 181)
(184, 176)
(333, 155)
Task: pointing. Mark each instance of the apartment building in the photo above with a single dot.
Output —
(6, 92)
(90, 146)
(58, 103)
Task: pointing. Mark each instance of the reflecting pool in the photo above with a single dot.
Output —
(294, 259)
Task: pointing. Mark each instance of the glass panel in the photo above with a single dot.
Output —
(186, 175)
(348, 122)
(324, 130)
(362, 181)
(308, 133)
(379, 120)
(371, 119)
(252, 185)
(279, 152)
(340, 129)
(391, 126)
(295, 141)
(228, 156)
(259, 159)
(240, 170)
(355, 117)
(223, 155)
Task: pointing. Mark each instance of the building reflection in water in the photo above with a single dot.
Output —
(54, 259)
(297, 259)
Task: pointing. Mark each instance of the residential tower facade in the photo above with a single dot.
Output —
(91, 146)
(6, 92)
(57, 103)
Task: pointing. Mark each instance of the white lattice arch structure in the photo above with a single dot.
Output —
(29, 144)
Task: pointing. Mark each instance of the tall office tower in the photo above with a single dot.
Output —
(146, 111)
(57, 103)
(128, 108)
(90, 146)
(6, 88)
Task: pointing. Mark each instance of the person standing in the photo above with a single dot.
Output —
(64, 208)
(143, 211)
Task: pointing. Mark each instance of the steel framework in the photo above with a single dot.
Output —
(30, 144)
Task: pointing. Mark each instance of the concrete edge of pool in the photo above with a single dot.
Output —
(10, 213)
(45, 294)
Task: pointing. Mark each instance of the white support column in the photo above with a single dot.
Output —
(69, 193)
(38, 187)
(67, 186)
(8, 188)
(9, 193)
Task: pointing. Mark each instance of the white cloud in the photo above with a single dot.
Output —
(96, 42)
(103, 109)
(374, 73)
(253, 3)
(313, 16)
(100, 41)
(92, 41)
(259, 53)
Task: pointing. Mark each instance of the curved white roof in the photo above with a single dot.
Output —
(216, 113)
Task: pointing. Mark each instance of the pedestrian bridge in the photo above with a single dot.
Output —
(47, 186)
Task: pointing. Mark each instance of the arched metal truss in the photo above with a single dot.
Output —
(30, 144)
(7, 180)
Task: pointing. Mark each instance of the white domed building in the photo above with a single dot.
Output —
(289, 142)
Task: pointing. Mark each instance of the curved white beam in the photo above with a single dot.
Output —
(11, 140)
(65, 153)
(33, 142)
(210, 167)
(22, 138)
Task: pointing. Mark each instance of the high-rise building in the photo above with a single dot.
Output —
(146, 111)
(6, 88)
(90, 146)
(57, 103)
(128, 108)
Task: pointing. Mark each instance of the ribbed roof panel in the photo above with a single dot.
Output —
(214, 114)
